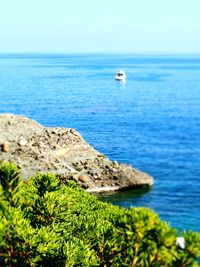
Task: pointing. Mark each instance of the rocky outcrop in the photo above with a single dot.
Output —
(63, 151)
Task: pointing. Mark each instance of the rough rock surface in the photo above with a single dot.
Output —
(63, 151)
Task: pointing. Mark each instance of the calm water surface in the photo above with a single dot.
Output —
(152, 121)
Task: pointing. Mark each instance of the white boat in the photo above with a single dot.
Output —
(120, 76)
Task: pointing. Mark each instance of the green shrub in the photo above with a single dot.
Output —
(46, 223)
(10, 181)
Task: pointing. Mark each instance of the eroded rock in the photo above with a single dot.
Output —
(64, 152)
(5, 147)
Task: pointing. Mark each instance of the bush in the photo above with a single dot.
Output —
(45, 223)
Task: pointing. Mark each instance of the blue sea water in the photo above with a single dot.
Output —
(151, 121)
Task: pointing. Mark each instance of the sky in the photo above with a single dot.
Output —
(100, 26)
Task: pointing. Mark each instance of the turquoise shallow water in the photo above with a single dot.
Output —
(152, 121)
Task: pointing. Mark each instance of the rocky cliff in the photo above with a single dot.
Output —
(63, 151)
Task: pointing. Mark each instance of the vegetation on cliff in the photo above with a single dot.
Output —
(46, 223)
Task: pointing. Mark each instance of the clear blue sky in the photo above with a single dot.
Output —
(124, 26)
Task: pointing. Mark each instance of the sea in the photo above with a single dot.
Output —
(151, 121)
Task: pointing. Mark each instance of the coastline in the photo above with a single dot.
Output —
(63, 151)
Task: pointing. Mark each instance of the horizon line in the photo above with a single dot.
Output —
(164, 53)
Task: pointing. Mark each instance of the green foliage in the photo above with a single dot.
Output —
(45, 183)
(45, 223)
(10, 181)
